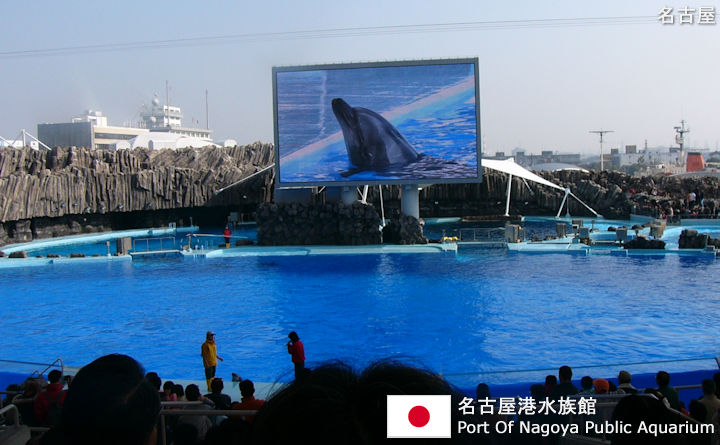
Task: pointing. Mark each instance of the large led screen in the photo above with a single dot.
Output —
(377, 123)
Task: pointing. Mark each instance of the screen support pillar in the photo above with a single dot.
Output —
(349, 195)
(410, 200)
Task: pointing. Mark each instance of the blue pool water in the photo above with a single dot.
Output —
(474, 311)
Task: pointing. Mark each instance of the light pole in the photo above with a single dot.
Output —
(601, 132)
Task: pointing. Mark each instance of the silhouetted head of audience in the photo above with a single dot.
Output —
(11, 389)
(537, 392)
(602, 386)
(217, 385)
(565, 374)
(708, 387)
(154, 380)
(482, 391)
(55, 376)
(335, 404)
(662, 379)
(178, 390)
(550, 383)
(624, 377)
(192, 393)
(247, 388)
(586, 383)
(110, 402)
(31, 387)
(293, 336)
(716, 379)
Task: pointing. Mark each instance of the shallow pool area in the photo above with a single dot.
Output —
(466, 314)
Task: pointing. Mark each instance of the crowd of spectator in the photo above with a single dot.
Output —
(113, 401)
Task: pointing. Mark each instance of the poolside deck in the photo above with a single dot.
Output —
(161, 254)
(323, 250)
(603, 243)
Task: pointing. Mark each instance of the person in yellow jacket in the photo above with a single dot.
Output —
(210, 357)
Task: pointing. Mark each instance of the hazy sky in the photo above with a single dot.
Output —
(541, 87)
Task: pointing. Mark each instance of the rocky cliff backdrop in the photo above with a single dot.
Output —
(45, 193)
(62, 191)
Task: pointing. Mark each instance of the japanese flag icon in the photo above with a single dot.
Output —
(425, 417)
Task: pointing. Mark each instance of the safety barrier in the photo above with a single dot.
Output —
(170, 409)
(58, 363)
(206, 241)
(480, 234)
(15, 414)
(169, 243)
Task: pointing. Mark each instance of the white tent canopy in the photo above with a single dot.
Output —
(511, 168)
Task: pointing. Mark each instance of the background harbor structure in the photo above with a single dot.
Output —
(160, 126)
(158, 117)
(89, 130)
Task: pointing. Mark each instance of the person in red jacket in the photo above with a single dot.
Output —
(249, 402)
(297, 351)
(49, 402)
(227, 233)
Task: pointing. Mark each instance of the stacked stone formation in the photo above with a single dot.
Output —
(317, 224)
(643, 242)
(49, 193)
(64, 181)
(404, 229)
(691, 239)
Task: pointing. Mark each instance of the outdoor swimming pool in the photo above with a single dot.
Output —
(459, 314)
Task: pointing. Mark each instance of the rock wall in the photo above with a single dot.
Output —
(612, 194)
(76, 190)
(80, 190)
(290, 224)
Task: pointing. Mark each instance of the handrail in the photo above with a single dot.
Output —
(208, 412)
(24, 401)
(147, 242)
(211, 235)
(195, 412)
(180, 402)
(487, 232)
(26, 363)
(12, 408)
(10, 393)
(199, 237)
(36, 372)
(62, 366)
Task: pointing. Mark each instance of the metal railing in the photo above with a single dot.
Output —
(15, 414)
(205, 241)
(481, 234)
(58, 363)
(170, 409)
(167, 239)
